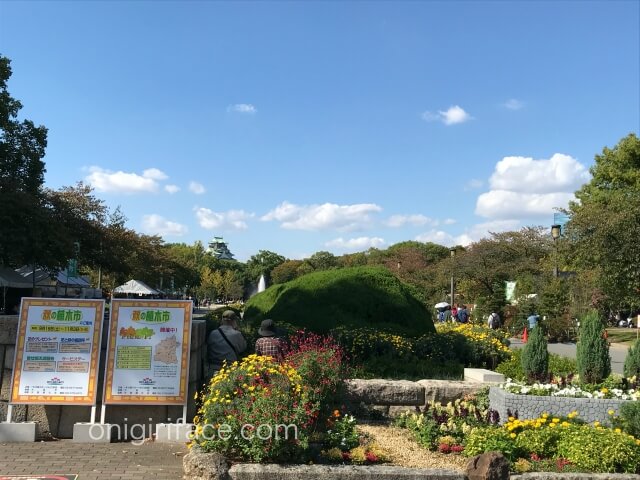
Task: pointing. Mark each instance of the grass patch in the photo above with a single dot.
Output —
(622, 335)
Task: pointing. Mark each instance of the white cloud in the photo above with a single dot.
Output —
(470, 235)
(560, 173)
(172, 188)
(513, 104)
(231, 220)
(396, 221)
(522, 187)
(158, 225)
(449, 221)
(154, 174)
(473, 184)
(327, 216)
(506, 204)
(452, 116)
(124, 182)
(242, 108)
(197, 188)
(355, 244)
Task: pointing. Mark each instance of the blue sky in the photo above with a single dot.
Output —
(299, 127)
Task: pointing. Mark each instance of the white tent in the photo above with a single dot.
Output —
(135, 287)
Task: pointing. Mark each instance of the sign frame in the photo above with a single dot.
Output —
(107, 397)
(92, 389)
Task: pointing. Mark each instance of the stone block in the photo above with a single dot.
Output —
(93, 433)
(397, 410)
(385, 392)
(195, 366)
(198, 334)
(173, 432)
(71, 415)
(204, 466)
(445, 391)
(47, 419)
(8, 329)
(9, 354)
(17, 432)
(488, 466)
(482, 375)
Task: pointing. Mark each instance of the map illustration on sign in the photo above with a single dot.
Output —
(148, 352)
(166, 351)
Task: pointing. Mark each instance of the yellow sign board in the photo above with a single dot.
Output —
(57, 352)
(148, 352)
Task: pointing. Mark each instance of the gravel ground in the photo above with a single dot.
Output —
(404, 451)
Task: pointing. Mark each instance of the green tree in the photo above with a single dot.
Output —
(535, 357)
(262, 264)
(632, 362)
(553, 304)
(24, 217)
(604, 225)
(323, 260)
(592, 352)
(286, 271)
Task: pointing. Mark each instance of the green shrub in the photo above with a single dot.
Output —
(632, 362)
(630, 418)
(594, 363)
(256, 392)
(599, 449)
(424, 429)
(491, 439)
(541, 441)
(535, 357)
(349, 297)
(558, 366)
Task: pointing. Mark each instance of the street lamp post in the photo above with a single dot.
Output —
(555, 234)
(453, 254)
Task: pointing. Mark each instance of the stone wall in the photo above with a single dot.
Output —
(532, 406)
(391, 397)
(57, 420)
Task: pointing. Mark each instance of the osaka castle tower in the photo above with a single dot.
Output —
(219, 249)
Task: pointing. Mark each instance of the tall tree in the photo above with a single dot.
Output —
(604, 225)
(23, 216)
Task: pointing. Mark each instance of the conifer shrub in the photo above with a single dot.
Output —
(592, 353)
(535, 357)
(346, 297)
(632, 362)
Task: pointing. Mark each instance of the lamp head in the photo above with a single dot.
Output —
(555, 231)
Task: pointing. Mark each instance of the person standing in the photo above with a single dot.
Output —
(454, 313)
(533, 320)
(463, 315)
(494, 321)
(225, 343)
(268, 344)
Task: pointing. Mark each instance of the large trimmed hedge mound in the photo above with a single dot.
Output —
(346, 297)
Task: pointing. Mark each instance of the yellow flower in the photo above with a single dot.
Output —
(596, 423)
(618, 430)
(611, 412)
(513, 435)
(555, 420)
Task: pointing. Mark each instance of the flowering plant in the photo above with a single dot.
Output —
(342, 433)
(256, 409)
(562, 389)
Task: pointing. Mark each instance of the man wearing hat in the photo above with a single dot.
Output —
(225, 342)
(268, 344)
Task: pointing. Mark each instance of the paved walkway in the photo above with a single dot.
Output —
(113, 461)
(617, 352)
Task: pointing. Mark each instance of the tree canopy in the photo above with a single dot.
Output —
(604, 225)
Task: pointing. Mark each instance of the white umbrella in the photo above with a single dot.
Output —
(441, 305)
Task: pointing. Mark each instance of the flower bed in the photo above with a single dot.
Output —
(532, 406)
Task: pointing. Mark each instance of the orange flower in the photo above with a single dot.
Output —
(336, 413)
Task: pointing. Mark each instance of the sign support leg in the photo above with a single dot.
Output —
(93, 414)
(9, 412)
(184, 414)
(103, 413)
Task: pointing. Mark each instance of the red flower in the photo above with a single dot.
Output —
(444, 448)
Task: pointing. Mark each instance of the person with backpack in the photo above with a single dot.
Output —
(225, 343)
(494, 321)
(441, 316)
(463, 315)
